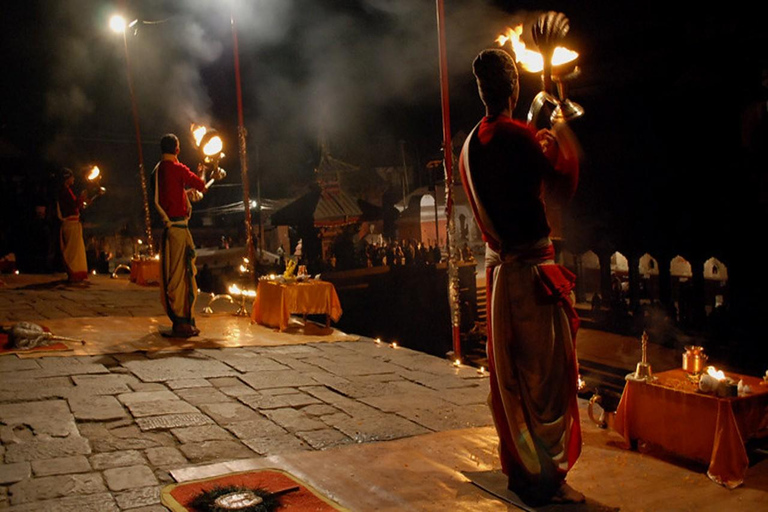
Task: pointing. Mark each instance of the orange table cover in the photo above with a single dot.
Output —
(673, 414)
(145, 271)
(276, 301)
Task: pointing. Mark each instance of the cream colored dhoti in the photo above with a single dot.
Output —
(73, 248)
(178, 290)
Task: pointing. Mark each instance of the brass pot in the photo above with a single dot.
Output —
(694, 359)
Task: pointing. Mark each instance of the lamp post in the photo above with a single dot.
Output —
(118, 25)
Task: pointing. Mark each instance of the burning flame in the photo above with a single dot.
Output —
(95, 171)
(198, 132)
(236, 290)
(213, 146)
(717, 374)
(531, 60)
(457, 363)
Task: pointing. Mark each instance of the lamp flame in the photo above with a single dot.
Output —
(714, 373)
(198, 132)
(531, 60)
(117, 23)
(213, 146)
(95, 172)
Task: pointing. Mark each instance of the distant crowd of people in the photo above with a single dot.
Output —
(394, 253)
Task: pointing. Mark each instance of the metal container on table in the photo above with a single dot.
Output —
(694, 359)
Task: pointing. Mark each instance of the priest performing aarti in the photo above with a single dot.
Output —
(174, 184)
(505, 168)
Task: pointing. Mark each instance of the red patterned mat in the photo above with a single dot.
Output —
(178, 497)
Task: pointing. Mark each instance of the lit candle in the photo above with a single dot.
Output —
(377, 340)
(457, 363)
(481, 371)
(394, 344)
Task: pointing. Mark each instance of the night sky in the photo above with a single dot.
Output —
(666, 89)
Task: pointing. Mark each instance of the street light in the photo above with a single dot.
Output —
(118, 24)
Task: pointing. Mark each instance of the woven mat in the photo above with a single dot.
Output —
(44, 350)
(177, 497)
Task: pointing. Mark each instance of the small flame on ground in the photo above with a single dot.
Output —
(582, 384)
(457, 363)
(481, 371)
(393, 344)
(531, 60)
(377, 340)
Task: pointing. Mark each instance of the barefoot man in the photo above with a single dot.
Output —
(505, 168)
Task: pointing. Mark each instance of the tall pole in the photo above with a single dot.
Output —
(135, 110)
(453, 271)
(241, 133)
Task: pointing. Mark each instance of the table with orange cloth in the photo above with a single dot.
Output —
(145, 271)
(275, 301)
(671, 413)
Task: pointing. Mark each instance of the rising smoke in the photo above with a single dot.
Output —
(310, 69)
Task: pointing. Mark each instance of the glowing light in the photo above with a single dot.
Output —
(714, 373)
(213, 146)
(93, 272)
(236, 290)
(141, 242)
(253, 203)
(378, 340)
(246, 260)
(156, 256)
(393, 344)
(16, 272)
(95, 172)
(481, 371)
(457, 363)
(198, 132)
(117, 23)
(531, 60)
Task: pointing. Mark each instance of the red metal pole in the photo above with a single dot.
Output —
(241, 133)
(448, 163)
(142, 175)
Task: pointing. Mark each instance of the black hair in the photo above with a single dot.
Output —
(168, 143)
(496, 75)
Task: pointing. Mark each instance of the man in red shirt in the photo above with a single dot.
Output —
(505, 168)
(174, 183)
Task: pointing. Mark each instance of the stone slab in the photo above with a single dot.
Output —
(61, 466)
(161, 407)
(50, 449)
(130, 437)
(49, 487)
(48, 417)
(178, 368)
(199, 434)
(231, 412)
(165, 456)
(377, 427)
(277, 379)
(14, 472)
(255, 428)
(203, 395)
(98, 502)
(322, 439)
(276, 444)
(116, 459)
(293, 420)
(139, 497)
(131, 477)
(207, 451)
(262, 402)
(146, 396)
(173, 421)
(97, 408)
(188, 383)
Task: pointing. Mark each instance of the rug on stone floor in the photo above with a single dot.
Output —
(6, 349)
(180, 497)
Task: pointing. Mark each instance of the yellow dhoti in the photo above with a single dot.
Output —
(178, 289)
(73, 248)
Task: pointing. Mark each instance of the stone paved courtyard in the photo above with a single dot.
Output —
(102, 433)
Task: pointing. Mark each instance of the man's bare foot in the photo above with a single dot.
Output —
(567, 494)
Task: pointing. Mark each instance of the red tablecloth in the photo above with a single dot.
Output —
(145, 271)
(276, 301)
(673, 414)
